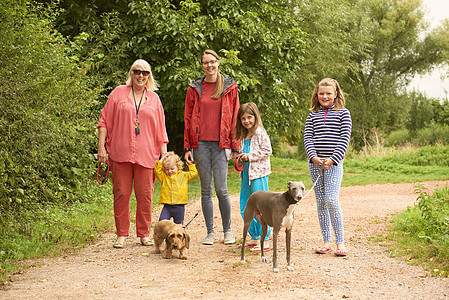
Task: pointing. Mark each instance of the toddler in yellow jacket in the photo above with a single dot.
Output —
(174, 189)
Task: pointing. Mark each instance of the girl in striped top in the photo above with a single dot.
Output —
(326, 138)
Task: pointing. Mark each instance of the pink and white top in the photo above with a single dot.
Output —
(259, 154)
(119, 118)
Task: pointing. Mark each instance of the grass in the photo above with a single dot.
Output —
(55, 230)
(420, 234)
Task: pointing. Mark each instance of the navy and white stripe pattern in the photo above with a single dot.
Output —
(327, 133)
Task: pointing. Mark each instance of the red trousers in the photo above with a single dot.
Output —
(123, 176)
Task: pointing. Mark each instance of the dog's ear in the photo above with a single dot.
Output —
(289, 184)
(187, 239)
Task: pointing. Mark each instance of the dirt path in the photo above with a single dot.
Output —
(101, 272)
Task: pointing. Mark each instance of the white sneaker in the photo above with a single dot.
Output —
(228, 238)
(209, 239)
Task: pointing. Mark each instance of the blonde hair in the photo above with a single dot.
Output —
(339, 101)
(152, 84)
(241, 132)
(219, 84)
(175, 159)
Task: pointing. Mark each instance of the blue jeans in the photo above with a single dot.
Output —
(211, 162)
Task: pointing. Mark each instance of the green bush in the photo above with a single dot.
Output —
(433, 134)
(422, 231)
(46, 126)
(398, 137)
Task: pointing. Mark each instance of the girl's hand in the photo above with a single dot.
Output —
(244, 156)
(317, 161)
(328, 163)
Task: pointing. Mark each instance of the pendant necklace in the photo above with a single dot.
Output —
(137, 127)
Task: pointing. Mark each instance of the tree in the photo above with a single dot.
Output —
(396, 53)
(260, 43)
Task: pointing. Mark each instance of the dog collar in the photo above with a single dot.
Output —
(290, 199)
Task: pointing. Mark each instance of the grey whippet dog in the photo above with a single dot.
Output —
(275, 210)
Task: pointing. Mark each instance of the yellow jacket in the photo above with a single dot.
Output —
(174, 188)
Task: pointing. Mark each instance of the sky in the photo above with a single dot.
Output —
(431, 84)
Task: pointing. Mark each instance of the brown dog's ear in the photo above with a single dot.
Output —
(187, 240)
(289, 184)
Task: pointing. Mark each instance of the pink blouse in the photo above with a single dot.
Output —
(119, 118)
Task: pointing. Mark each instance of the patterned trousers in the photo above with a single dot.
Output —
(327, 190)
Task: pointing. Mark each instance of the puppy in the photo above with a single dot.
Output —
(175, 236)
(275, 210)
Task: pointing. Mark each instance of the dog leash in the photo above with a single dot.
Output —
(106, 173)
(319, 175)
(191, 220)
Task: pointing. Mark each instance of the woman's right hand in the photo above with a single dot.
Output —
(102, 154)
(188, 157)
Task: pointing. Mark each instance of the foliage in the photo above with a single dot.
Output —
(395, 54)
(46, 132)
(260, 44)
(398, 137)
(424, 230)
(333, 40)
(432, 135)
(421, 111)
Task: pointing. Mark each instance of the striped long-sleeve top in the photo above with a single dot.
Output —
(327, 133)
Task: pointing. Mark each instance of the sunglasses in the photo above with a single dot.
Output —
(138, 72)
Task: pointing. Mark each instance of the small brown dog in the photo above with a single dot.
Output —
(175, 237)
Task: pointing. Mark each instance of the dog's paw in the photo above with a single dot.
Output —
(183, 257)
(157, 251)
(290, 268)
(242, 261)
(276, 270)
(264, 259)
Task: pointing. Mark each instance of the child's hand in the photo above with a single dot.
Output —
(244, 156)
(327, 163)
(188, 162)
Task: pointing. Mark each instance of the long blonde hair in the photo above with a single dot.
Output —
(339, 101)
(152, 84)
(241, 132)
(219, 84)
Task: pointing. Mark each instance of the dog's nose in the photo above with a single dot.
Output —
(175, 246)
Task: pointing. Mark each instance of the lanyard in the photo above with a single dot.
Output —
(137, 127)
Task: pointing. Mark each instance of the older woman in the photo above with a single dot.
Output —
(132, 129)
(210, 115)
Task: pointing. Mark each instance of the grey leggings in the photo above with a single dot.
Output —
(211, 162)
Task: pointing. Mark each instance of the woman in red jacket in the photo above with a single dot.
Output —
(210, 115)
